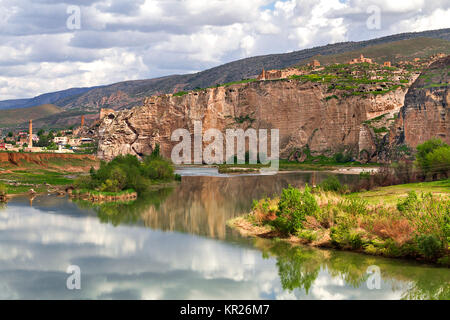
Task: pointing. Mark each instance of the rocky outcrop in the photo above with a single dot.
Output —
(426, 112)
(304, 112)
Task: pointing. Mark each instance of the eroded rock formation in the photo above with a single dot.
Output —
(302, 111)
(426, 112)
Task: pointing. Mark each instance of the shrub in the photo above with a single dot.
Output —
(444, 261)
(439, 161)
(342, 158)
(409, 204)
(427, 214)
(3, 189)
(355, 239)
(127, 172)
(84, 182)
(429, 246)
(332, 184)
(293, 208)
(354, 205)
(158, 169)
(265, 210)
(344, 238)
(399, 230)
(110, 185)
(340, 236)
(307, 235)
(427, 161)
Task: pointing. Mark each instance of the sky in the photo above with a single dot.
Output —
(47, 45)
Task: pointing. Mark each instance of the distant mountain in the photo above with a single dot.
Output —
(46, 98)
(12, 117)
(406, 50)
(131, 93)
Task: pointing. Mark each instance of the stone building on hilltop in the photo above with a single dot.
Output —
(361, 59)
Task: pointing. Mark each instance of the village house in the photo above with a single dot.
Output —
(10, 139)
(74, 142)
(279, 74)
(361, 59)
(61, 140)
(315, 63)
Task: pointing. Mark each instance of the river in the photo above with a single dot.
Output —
(174, 244)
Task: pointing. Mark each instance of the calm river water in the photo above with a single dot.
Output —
(174, 244)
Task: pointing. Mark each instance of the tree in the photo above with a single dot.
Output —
(10, 134)
(433, 157)
(439, 161)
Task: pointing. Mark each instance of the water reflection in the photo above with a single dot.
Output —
(202, 204)
(162, 247)
(299, 269)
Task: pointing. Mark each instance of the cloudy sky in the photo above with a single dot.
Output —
(46, 46)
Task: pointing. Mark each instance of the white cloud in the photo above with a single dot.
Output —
(120, 40)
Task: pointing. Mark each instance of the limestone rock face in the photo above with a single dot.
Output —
(426, 112)
(300, 110)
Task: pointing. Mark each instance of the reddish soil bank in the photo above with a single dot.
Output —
(40, 158)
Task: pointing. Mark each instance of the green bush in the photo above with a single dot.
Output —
(355, 239)
(84, 182)
(343, 237)
(439, 161)
(428, 214)
(307, 235)
(3, 189)
(158, 169)
(110, 185)
(342, 158)
(332, 184)
(410, 203)
(354, 206)
(430, 246)
(293, 208)
(127, 172)
(433, 156)
(340, 236)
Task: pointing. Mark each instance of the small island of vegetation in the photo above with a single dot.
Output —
(124, 178)
(417, 226)
(412, 223)
(3, 192)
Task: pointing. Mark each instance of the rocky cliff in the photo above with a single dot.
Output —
(426, 112)
(306, 113)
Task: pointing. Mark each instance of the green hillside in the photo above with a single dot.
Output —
(14, 117)
(393, 51)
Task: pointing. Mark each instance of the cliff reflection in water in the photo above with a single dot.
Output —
(202, 205)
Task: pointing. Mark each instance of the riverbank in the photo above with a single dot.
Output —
(387, 222)
(36, 173)
(292, 166)
(97, 196)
